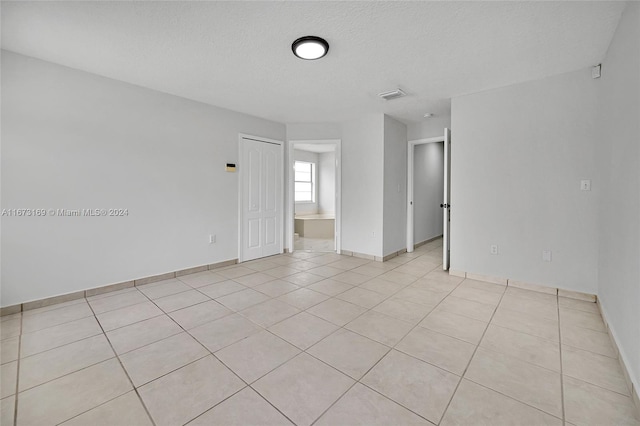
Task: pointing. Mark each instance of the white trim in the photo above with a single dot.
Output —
(242, 136)
(338, 189)
(410, 179)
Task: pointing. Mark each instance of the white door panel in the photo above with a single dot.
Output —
(261, 199)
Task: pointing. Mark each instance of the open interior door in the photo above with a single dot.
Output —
(446, 207)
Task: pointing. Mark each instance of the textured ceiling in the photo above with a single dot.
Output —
(237, 55)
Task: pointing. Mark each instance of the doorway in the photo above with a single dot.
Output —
(437, 207)
(314, 195)
(261, 197)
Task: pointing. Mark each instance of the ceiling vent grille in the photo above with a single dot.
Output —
(394, 94)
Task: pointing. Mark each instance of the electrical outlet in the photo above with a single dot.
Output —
(212, 239)
(546, 255)
(493, 249)
(585, 185)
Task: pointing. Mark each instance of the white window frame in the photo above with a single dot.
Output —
(313, 182)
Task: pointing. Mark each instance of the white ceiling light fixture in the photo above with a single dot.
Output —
(310, 48)
(393, 94)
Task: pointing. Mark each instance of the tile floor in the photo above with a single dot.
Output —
(313, 244)
(314, 338)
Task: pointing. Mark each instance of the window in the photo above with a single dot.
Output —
(304, 182)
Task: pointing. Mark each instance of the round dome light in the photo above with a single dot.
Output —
(310, 47)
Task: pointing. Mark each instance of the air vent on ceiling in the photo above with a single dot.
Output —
(394, 94)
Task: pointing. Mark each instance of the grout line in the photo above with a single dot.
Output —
(464, 372)
(564, 418)
(15, 401)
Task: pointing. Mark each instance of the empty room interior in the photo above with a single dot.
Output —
(320, 213)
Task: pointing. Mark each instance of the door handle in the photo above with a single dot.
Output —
(445, 206)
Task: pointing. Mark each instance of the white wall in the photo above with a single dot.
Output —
(428, 128)
(395, 185)
(327, 183)
(306, 207)
(362, 184)
(619, 188)
(428, 168)
(518, 155)
(313, 131)
(72, 140)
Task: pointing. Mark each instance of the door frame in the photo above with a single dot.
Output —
(241, 177)
(338, 190)
(410, 184)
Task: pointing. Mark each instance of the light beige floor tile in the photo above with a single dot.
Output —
(349, 352)
(223, 332)
(381, 286)
(442, 351)
(379, 327)
(129, 315)
(4, 318)
(124, 410)
(533, 308)
(199, 314)
(454, 325)
(528, 383)
(163, 288)
(484, 286)
(476, 405)
(59, 335)
(325, 258)
(282, 271)
(444, 276)
(551, 299)
(129, 289)
(254, 279)
(589, 340)
(582, 319)
(235, 272)
(106, 304)
(157, 359)
(242, 299)
(180, 300)
(201, 279)
(337, 311)
(221, 288)
(482, 296)
(586, 404)
(203, 384)
(326, 271)
(398, 277)
(348, 263)
(534, 287)
(417, 269)
(9, 349)
(434, 285)
(75, 301)
(303, 330)
(522, 346)
(368, 270)
(303, 298)
(242, 409)
(303, 265)
(7, 410)
(468, 308)
(304, 279)
(421, 296)
(54, 363)
(351, 278)
(362, 406)
(142, 333)
(421, 387)
(54, 317)
(579, 305)
(260, 265)
(255, 356)
(330, 287)
(276, 288)
(596, 369)
(10, 328)
(361, 297)
(525, 323)
(270, 312)
(73, 394)
(303, 388)
(8, 378)
(404, 310)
